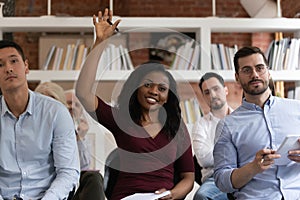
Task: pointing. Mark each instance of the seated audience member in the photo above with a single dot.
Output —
(38, 151)
(78, 113)
(153, 141)
(91, 182)
(214, 93)
(244, 154)
(81, 127)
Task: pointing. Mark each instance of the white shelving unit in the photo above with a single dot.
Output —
(203, 27)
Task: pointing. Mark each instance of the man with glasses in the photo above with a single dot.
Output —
(245, 152)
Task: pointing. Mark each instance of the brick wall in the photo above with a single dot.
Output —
(290, 8)
(157, 8)
(179, 8)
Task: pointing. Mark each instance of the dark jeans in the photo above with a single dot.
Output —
(90, 186)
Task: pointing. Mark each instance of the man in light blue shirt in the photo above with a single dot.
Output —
(245, 151)
(38, 151)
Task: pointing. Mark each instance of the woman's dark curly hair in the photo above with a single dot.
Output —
(128, 103)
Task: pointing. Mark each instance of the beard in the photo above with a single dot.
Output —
(217, 104)
(256, 90)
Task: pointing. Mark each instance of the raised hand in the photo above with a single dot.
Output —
(103, 27)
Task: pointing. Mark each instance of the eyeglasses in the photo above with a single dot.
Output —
(260, 70)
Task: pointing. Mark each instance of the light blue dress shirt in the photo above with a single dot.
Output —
(38, 151)
(249, 129)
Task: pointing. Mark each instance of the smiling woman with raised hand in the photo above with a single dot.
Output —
(153, 141)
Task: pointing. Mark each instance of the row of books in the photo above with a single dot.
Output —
(187, 56)
(70, 58)
(294, 93)
(284, 54)
(190, 110)
(222, 56)
(115, 57)
(73, 56)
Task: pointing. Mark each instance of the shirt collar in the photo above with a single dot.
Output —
(252, 106)
(210, 116)
(30, 106)
(28, 110)
(270, 101)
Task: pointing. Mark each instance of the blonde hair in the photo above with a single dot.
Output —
(52, 90)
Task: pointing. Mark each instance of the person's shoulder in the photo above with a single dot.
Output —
(234, 112)
(233, 116)
(286, 101)
(43, 100)
(230, 109)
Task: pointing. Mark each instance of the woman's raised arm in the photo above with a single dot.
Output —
(86, 79)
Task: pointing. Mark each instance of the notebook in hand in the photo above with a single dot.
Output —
(289, 143)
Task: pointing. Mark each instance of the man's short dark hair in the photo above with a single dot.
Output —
(247, 51)
(8, 43)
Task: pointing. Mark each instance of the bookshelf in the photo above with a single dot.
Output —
(202, 27)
